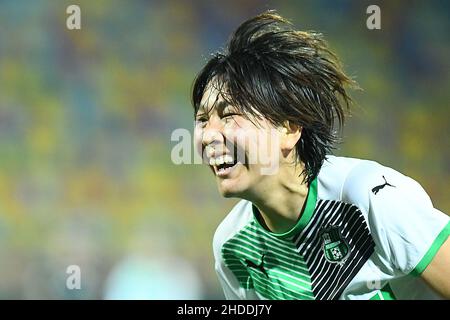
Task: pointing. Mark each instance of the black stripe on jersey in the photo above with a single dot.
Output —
(330, 279)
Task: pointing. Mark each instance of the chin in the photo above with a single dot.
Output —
(231, 192)
(228, 195)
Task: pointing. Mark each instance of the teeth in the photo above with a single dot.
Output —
(221, 160)
(228, 159)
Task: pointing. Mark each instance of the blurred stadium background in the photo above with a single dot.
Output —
(86, 116)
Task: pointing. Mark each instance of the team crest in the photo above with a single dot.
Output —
(335, 248)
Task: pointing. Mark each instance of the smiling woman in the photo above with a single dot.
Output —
(236, 146)
(318, 226)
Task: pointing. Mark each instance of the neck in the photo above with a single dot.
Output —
(280, 199)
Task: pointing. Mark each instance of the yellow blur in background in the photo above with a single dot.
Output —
(86, 116)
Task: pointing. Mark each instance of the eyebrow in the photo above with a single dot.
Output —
(218, 105)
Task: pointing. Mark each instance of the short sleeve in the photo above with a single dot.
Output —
(235, 220)
(406, 227)
(229, 283)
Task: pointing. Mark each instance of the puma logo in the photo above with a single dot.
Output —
(378, 188)
(259, 267)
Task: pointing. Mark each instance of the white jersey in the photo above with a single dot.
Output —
(366, 232)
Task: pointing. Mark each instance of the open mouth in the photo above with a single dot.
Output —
(223, 165)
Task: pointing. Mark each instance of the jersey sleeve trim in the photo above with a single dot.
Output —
(436, 245)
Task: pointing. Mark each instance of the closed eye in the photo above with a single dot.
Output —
(229, 115)
(201, 118)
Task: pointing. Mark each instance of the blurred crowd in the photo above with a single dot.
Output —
(86, 116)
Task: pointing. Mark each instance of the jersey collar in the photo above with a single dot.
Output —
(305, 216)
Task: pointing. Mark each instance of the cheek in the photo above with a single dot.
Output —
(258, 144)
(247, 142)
(273, 143)
(264, 148)
(239, 136)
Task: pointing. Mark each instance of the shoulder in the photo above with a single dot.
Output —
(357, 180)
(369, 178)
(235, 220)
(333, 175)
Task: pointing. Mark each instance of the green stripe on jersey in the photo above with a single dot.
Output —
(434, 248)
(270, 265)
(384, 294)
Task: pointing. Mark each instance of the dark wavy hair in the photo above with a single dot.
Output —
(268, 68)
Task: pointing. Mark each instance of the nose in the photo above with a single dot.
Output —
(212, 133)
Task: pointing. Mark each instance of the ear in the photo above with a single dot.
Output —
(290, 135)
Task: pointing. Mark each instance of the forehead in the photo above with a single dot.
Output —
(212, 98)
